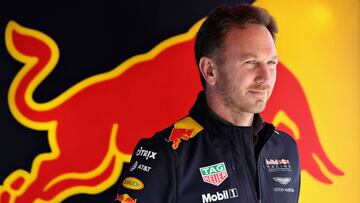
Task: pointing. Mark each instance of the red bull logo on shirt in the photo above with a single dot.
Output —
(125, 198)
(184, 130)
(275, 165)
(277, 161)
(179, 134)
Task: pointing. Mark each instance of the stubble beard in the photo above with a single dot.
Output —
(236, 100)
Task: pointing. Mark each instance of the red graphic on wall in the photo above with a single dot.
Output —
(94, 126)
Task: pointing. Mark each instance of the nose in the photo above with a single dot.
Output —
(263, 74)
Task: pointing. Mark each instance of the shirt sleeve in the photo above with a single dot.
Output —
(151, 174)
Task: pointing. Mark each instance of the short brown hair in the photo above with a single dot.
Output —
(211, 35)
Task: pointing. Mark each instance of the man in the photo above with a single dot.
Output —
(223, 150)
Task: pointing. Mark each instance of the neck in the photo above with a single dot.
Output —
(238, 118)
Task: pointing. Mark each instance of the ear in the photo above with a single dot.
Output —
(207, 69)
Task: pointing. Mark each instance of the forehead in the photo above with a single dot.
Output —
(250, 39)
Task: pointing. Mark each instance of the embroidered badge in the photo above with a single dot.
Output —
(282, 180)
(183, 130)
(146, 153)
(132, 183)
(134, 166)
(219, 196)
(275, 165)
(214, 174)
(125, 198)
(179, 134)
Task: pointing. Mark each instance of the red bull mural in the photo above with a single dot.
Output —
(93, 126)
(106, 115)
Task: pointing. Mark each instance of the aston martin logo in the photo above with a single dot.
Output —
(282, 180)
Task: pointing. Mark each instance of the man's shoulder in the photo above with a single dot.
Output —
(284, 136)
(183, 129)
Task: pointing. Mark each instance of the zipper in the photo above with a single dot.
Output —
(260, 167)
(236, 172)
(259, 177)
(248, 176)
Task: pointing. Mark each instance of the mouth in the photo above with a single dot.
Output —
(258, 93)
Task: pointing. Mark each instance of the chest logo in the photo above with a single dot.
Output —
(214, 174)
(132, 183)
(282, 180)
(276, 165)
(125, 198)
(179, 134)
(183, 130)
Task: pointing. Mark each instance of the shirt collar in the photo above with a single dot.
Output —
(209, 119)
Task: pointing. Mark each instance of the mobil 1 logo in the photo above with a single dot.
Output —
(219, 196)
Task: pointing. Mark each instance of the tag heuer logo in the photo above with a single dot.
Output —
(214, 174)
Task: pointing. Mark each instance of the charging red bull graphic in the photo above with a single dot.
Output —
(184, 129)
(125, 198)
(94, 126)
(179, 134)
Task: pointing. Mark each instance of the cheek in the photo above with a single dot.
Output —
(273, 77)
(240, 82)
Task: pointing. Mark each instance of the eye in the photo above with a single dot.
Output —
(250, 62)
(272, 62)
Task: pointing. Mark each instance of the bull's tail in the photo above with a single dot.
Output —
(39, 54)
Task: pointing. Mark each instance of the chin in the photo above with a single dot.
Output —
(258, 107)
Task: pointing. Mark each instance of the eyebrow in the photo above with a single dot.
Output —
(275, 57)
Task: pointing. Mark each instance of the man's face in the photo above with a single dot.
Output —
(247, 69)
